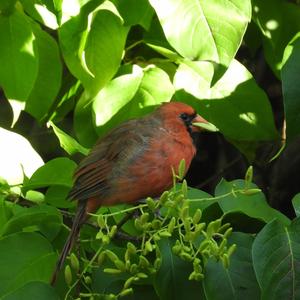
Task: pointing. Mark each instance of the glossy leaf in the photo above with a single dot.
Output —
(291, 91)
(48, 79)
(296, 204)
(276, 259)
(57, 195)
(201, 30)
(217, 283)
(241, 269)
(235, 104)
(33, 290)
(140, 12)
(24, 257)
(278, 21)
(40, 11)
(68, 143)
(92, 45)
(14, 163)
(45, 219)
(171, 281)
(143, 89)
(18, 59)
(254, 205)
(58, 171)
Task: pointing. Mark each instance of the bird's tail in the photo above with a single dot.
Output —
(78, 220)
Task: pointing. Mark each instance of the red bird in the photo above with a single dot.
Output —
(132, 162)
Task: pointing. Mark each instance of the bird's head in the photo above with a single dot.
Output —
(181, 113)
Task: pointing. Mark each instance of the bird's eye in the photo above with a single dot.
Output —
(184, 116)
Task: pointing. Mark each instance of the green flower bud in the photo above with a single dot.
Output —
(231, 250)
(133, 268)
(164, 233)
(157, 264)
(151, 204)
(113, 231)
(88, 280)
(184, 188)
(101, 222)
(250, 192)
(148, 246)
(101, 258)
(186, 256)
(105, 240)
(164, 197)
(129, 282)
(144, 218)
(131, 248)
(171, 225)
(142, 275)
(126, 292)
(111, 255)
(112, 271)
(197, 216)
(68, 275)
(156, 224)
(120, 265)
(74, 262)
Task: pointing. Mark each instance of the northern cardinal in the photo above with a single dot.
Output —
(132, 162)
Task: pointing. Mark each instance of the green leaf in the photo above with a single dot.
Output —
(171, 280)
(84, 123)
(109, 100)
(92, 45)
(33, 290)
(140, 12)
(235, 104)
(201, 30)
(35, 196)
(276, 259)
(5, 212)
(278, 22)
(241, 269)
(48, 79)
(198, 199)
(291, 91)
(7, 6)
(15, 163)
(56, 195)
(41, 12)
(143, 89)
(24, 257)
(253, 205)
(296, 204)
(217, 283)
(68, 143)
(58, 171)
(43, 218)
(18, 58)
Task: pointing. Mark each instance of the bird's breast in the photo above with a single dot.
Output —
(151, 172)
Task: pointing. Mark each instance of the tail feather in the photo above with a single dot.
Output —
(78, 220)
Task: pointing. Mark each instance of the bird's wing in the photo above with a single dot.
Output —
(93, 177)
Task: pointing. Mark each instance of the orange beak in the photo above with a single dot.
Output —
(200, 124)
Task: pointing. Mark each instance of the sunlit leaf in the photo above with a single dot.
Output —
(204, 30)
(58, 171)
(18, 56)
(235, 104)
(17, 157)
(92, 44)
(48, 79)
(67, 142)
